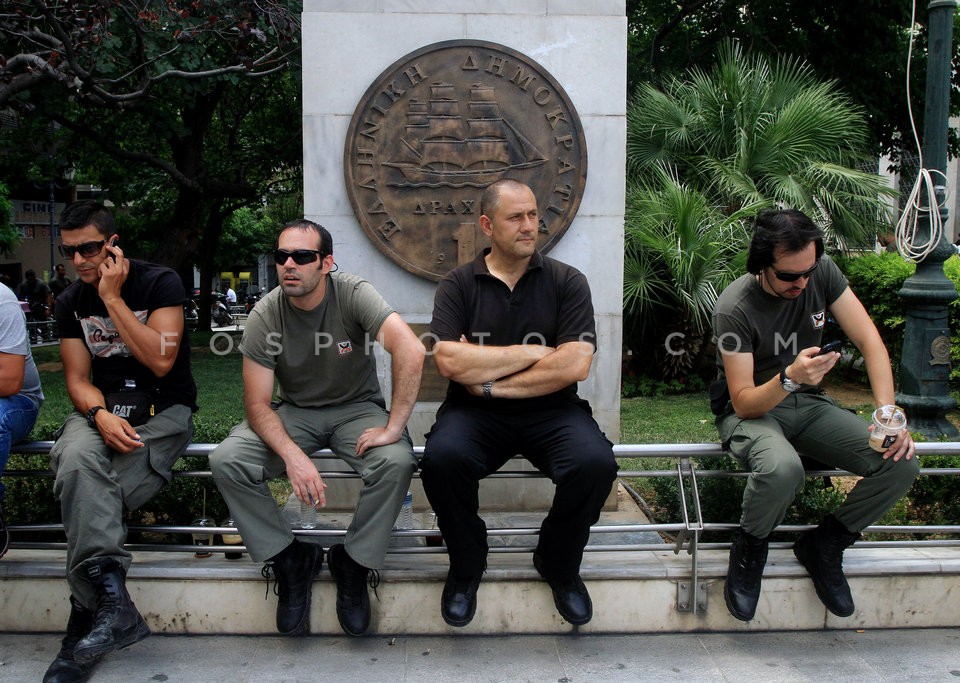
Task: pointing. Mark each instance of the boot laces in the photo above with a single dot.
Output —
(355, 582)
(752, 561)
(831, 560)
(267, 574)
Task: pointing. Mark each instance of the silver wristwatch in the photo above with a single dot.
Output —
(788, 384)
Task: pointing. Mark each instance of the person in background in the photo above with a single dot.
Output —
(60, 281)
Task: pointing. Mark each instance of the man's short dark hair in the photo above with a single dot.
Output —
(326, 240)
(787, 230)
(490, 199)
(30, 274)
(87, 212)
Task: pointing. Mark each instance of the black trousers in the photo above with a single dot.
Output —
(565, 443)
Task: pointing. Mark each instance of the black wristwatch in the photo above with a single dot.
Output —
(788, 384)
(91, 415)
(488, 389)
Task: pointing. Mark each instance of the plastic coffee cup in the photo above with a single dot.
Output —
(888, 421)
(202, 540)
(231, 539)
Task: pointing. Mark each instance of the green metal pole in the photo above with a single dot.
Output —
(925, 365)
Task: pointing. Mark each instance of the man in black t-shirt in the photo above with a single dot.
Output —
(60, 281)
(514, 334)
(36, 293)
(126, 360)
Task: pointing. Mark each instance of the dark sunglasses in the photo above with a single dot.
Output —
(793, 277)
(87, 249)
(300, 256)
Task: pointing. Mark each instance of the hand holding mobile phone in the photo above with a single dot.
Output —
(829, 347)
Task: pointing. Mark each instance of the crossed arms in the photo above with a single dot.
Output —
(519, 370)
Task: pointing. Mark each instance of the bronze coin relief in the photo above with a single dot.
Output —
(440, 125)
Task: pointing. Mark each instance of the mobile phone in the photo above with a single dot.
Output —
(829, 347)
(113, 243)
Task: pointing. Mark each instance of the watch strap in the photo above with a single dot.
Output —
(488, 389)
(786, 383)
(92, 415)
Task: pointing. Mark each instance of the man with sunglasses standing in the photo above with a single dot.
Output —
(126, 361)
(313, 335)
(768, 328)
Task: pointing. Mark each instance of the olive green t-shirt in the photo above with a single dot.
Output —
(747, 319)
(322, 357)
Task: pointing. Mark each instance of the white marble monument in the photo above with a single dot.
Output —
(348, 44)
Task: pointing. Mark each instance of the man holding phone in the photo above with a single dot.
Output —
(768, 326)
(126, 360)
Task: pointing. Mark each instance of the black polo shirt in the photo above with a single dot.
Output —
(550, 305)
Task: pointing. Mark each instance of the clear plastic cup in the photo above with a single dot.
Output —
(308, 515)
(888, 421)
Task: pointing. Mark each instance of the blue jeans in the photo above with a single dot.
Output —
(17, 416)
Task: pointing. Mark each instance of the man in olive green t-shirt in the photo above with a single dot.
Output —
(768, 326)
(313, 336)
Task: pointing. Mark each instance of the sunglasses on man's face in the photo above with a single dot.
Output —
(300, 256)
(793, 277)
(86, 250)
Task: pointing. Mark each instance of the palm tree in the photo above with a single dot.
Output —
(703, 156)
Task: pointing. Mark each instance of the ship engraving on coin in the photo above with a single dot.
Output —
(439, 126)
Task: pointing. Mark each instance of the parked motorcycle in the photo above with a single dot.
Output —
(251, 297)
(219, 310)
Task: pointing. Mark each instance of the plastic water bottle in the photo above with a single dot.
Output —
(405, 518)
(308, 515)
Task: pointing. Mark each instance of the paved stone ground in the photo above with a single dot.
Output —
(835, 656)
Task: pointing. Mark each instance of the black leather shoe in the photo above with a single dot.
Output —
(353, 601)
(820, 550)
(741, 591)
(65, 669)
(569, 594)
(117, 623)
(294, 569)
(458, 603)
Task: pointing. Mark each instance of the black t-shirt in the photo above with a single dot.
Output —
(81, 314)
(550, 305)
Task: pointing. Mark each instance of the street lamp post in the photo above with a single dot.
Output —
(52, 207)
(925, 365)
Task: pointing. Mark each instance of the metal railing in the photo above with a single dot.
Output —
(43, 331)
(687, 532)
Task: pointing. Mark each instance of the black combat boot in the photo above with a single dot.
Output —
(748, 555)
(65, 669)
(353, 601)
(820, 550)
(117, 623)
(294, 568)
